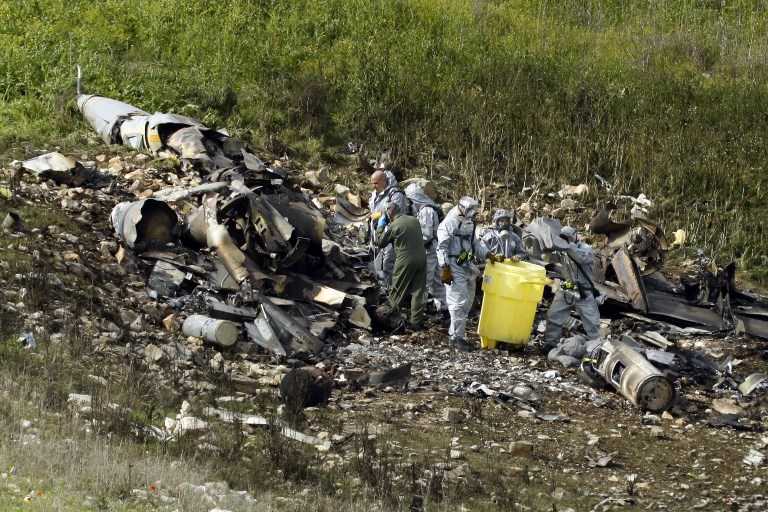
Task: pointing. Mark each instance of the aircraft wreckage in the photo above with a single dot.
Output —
(628, 273)
(248, 231)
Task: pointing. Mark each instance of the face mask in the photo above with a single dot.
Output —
(466, 228)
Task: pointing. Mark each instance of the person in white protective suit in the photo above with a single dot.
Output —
(426, 211)
(385, 192)
(457, 249)
(501, 241)
(577, 291)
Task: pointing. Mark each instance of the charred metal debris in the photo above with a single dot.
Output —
(247, 247)
(644, 363)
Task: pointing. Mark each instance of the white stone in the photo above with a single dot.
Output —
(190, 423)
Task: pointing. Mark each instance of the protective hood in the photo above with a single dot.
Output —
(417, 196)
(501, 214)
(391, 180)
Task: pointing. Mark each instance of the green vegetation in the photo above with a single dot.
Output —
(666, 98)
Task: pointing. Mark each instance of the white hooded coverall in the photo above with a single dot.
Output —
(456, 234)
(582, 299)
(384, 261)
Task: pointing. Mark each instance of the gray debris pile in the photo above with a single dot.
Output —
(640, 354)
(236, 243)
(629, 275)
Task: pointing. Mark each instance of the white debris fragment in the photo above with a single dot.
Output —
(754, 458)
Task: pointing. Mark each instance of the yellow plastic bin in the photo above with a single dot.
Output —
(511, 291)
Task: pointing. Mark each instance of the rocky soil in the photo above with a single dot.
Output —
(489, 430)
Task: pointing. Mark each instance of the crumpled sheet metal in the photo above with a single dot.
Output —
(643, 239)
(630, 280)
(57, 167)
(166, 279)
(306, 219)
(268, 320)
(602, 224)
(261, 332)
(197, 145)
(179, 193)
(145, 223)
(347, 213)
(103, 115)
(270, 223)
(120, 123)
(752, 382)
(230, 255)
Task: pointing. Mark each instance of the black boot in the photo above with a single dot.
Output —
(461, 345)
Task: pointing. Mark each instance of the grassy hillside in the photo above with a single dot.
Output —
(666, 98)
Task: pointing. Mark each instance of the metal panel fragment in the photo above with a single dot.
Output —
(143, 224)
(634, 376)
(630, 279)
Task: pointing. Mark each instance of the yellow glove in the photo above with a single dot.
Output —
(446, 276)
(376, 215)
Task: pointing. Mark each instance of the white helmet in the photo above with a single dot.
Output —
(568, 233)
(468, 206)
(501, 214)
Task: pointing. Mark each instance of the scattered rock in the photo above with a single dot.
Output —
(12, 223)
(171, 323)
(727, 406)
(116, 165)
(153, 354)
(651, 419)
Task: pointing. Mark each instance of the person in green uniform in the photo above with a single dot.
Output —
(410, 273)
